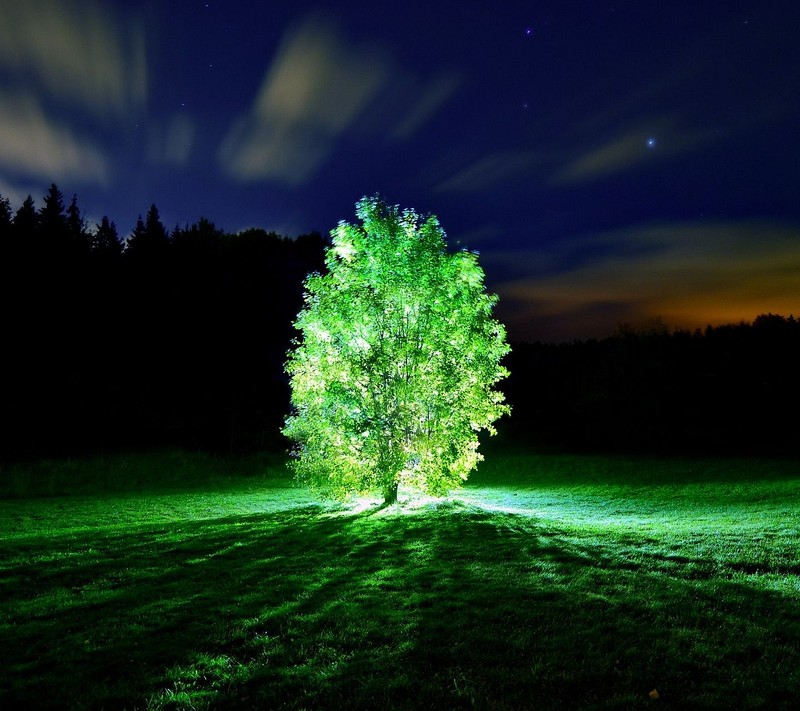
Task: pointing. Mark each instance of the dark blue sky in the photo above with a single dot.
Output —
(611, 161)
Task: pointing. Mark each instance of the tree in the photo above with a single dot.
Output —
(7, 246)
(79, 238)
(25, 227)
(5, 216)
(392, 378)
(201, 237)
(149, 238)
(52, 219)
(105, 239)
(62, 233)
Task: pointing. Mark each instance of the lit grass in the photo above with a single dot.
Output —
(548, 582)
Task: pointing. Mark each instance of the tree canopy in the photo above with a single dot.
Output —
(393, 376)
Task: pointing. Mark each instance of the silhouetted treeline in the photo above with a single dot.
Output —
(178, 338)
(173, 338)
(729, 389)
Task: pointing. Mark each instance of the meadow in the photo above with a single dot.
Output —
(177, 581)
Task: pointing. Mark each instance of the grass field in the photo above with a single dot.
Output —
(550, 581)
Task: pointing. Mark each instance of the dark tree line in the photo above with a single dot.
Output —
(729, 389)
(178, 338)
(167, 338)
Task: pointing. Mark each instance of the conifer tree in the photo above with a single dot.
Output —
(26, 223)
(154, 230)
(106, 240)
(52, 220)
(5, 216)
(53, 205)
(8, 248)
(79, 238)
(136, 236)
(150, 237)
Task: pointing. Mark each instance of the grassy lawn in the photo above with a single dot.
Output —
(548, 582)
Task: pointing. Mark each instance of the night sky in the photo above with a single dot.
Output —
(611, 161)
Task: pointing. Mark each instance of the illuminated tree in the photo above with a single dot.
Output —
(393, 376)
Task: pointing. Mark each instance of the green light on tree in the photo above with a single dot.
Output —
(393, 376)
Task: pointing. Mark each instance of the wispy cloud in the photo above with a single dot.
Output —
(76, 51)
(318, 87)
(490, 171)
(631, 148)
(691, 274)
(625, 149)
(314, 90)
(429, 98)
(172, 144)
(35, 145)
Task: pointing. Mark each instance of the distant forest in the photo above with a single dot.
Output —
(167, 338)
(732, 389)
(178, 337)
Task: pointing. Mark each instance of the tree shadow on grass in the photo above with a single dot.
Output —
(448, 607)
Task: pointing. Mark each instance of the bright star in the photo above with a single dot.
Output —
(651, 142)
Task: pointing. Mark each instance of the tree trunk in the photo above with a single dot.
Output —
(390, 495)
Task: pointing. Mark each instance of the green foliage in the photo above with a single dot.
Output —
(393, 377)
